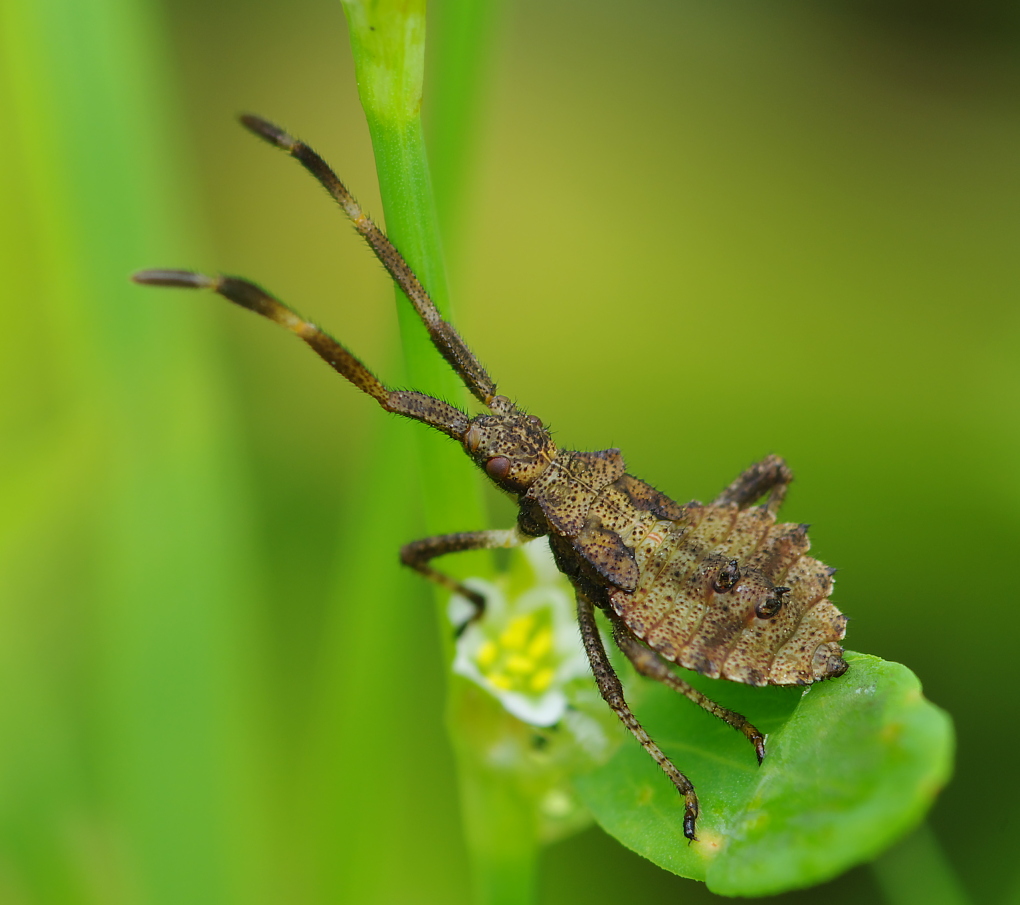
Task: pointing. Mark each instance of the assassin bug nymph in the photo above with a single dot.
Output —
(721, 588)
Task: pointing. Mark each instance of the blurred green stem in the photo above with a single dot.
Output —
(917, 872)
(387, 38)
(501, 833)
(388, 42)
(460, 57)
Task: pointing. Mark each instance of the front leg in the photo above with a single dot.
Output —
(419, 553)
(770, 476)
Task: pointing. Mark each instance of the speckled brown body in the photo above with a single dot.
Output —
(692, 582)
(720, 588)
(679, 609)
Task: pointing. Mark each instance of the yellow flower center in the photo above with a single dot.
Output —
(520, 658)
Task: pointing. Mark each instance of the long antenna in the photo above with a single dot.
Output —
(410, 403)
(443, 335)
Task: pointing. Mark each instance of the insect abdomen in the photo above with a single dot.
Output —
(707, 597)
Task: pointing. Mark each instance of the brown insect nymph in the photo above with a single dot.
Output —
(720, 588)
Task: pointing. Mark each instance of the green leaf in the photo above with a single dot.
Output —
(852, 765)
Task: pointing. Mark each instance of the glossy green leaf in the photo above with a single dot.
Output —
(852, 764)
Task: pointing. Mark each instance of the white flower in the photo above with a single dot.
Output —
(526, 647)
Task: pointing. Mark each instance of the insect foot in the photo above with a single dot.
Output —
(720, 588)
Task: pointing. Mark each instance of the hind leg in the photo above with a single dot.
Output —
(650, 664)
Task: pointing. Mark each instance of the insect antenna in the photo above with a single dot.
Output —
(410, 403)
(443, 335)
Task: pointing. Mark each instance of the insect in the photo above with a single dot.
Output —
(721, 589)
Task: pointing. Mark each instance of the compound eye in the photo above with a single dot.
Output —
(497, 468)
(534, 419)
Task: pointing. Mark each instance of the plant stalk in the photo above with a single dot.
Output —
(387, 38)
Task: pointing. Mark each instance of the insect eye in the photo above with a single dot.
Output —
(497, 467)
(534, 419)
(728, 576)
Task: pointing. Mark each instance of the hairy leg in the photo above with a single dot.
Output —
(419, 553)
(612, 691)
(650, 664)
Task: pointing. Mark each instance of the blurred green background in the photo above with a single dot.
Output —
(698, 231)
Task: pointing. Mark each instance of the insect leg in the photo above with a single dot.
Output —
(770, 476)
(444, 337)
(612, 691)
(417, 555)
(650, 664)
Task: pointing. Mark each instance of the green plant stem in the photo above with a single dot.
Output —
(463, 33)
(917, 871)
(450, 490)
(501, 831)
(387, 39)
